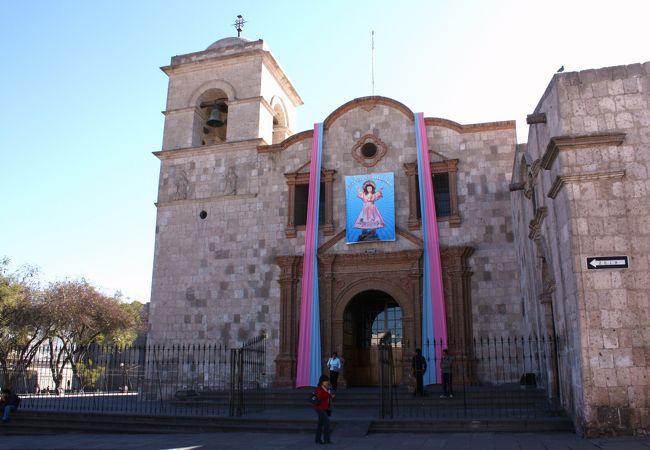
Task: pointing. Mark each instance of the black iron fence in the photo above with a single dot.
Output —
(247, 370)
(490, 377)
(387, 388)
(153, 379)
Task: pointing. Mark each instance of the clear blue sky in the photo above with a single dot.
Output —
(81, 94)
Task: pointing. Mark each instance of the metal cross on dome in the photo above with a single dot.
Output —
(239, 24)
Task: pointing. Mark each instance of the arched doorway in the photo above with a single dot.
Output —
(367, 317)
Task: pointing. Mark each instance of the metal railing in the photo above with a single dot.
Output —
(247, 372)
(205, 380)
(491, 378)
(386, 377)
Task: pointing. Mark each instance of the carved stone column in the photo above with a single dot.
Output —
(411, 171)
(325, 281)
(458, 305)
(290, 268)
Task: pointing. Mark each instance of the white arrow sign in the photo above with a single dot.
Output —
(613, 262)
(607, 262)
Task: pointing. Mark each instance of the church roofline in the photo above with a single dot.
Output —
(239, 50)
(215, 53)
(591, 75)
(373, 101)
(366, 103)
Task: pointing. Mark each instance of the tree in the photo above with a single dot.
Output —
(127, 336)
(82, 316)
(24, 325)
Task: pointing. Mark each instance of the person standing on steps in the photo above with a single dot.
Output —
(334, 366)
(419, 367)
(323, 411)
(445, 367)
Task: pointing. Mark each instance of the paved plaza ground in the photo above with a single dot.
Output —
(342, 440)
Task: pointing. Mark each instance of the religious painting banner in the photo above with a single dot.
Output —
(370, 207)
(309, 364)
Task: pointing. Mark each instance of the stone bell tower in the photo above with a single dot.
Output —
(222, 104)
(233, 91)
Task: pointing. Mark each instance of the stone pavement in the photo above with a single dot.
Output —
(344, 439)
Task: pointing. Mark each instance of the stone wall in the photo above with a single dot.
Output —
(223, 208)
(589, 169)
(214, 277)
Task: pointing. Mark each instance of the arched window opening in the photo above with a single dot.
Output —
(213, 116)
(280, 128)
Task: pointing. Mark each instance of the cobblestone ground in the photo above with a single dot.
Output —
(249, 441)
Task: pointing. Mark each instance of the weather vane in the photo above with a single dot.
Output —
(239, 24)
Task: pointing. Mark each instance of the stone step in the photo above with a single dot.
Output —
(497, 398)
(26, 423)
(472, 425)
(33, 422)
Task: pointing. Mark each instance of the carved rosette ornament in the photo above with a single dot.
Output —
(369, 150)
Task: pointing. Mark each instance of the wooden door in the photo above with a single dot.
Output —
(367, 316)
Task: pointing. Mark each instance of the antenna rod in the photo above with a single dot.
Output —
(373, 62)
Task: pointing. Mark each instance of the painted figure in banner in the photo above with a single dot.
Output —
(373, 218)
(369, 218)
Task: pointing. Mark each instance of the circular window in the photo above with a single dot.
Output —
(203, 214)
(368, 150)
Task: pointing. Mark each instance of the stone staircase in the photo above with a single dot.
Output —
(354, 410)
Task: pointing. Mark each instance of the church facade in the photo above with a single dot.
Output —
(231, 215)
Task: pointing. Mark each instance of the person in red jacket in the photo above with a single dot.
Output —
(322, 409)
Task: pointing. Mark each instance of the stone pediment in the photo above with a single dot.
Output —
(405, 241)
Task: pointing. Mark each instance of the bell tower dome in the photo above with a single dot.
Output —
(235, 90)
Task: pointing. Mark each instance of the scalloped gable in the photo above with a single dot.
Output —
(368, 103)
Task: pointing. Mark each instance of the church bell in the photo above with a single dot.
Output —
(215, 119)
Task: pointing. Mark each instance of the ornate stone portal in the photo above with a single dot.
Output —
(344, 276)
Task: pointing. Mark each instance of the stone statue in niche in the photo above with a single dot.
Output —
(181, 182)
(231, 182)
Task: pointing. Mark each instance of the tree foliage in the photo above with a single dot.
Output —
(82, 316)
(65, 319)
(24, 325)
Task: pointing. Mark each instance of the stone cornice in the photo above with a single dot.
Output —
(251, 50)
(448, 165)
(235, 50)
(248, 144)
(291, 140)
(282, 79)
(329, 244)
(213, 199)
(170, 112)
(558, 143)
(341, 235)
(561, 180)
(458, 254)
(369, 103)
(535, 225)
(516, 186)
(231, 102)
(201, 62)
(410, 237)
(361, 260)
(532, 119)
(469, 128)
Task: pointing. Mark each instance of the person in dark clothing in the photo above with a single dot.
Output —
(446, 363)
(419, 367)
(322, 409)
(8, 404)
